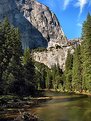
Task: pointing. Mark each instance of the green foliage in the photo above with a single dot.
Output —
(69, 61)
(17, 71)
(48, 78)
(10, 52)
(29, 73)
(77, 70)
(21, 75)
(26, 57)
(81, 71)
(86, 54)
(68, 81)
(56, 76)
(41, 74)
(39, 49)
(68, 72)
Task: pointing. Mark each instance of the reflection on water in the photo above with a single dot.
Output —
(67, 110)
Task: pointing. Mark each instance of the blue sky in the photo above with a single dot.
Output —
(70, 13)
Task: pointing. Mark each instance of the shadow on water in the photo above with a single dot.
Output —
(56, 93)
(8, 119)
(60, 97)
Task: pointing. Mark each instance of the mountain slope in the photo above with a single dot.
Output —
(39, 27)
(30, 36)
(44, 20)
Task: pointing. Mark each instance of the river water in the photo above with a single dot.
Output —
(64, 107)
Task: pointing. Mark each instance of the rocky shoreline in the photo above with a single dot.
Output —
(12, 107)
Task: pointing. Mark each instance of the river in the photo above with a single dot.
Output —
(64, 107)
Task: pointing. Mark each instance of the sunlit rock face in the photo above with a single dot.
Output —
(47, 23)
(30, 36)
(39, 27)
(52, 57)
(44, 20)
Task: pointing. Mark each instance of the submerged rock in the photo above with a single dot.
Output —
(27, 117)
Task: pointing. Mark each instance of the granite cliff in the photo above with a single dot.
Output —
(43, 20)
(52, 57)
(39, 27)
(30, 36)
(46, 23)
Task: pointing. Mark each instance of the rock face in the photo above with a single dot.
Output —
(44, 20)
(52, 57)
(47, 23)
(30, 36)
(39, 27)
(75, 42)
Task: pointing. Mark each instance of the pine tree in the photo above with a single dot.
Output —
(56, 76)
(29, 72)
(49, 80)
(10, 52)
(4, 51)
(86, 54)
(2, 56)
(68, 72)
(77, 70)
(5, 54)
(43, 76)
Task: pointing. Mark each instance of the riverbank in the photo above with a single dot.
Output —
(84, 93)
(75, 92)
(12, 106)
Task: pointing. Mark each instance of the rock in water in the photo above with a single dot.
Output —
(30, 36)
(27, 117)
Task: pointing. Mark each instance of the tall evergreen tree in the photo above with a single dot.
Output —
(68, 72)
(56, 76)
(4, 51)
(86, 54)
(29, 72)
(43, 76)
(77, 70)
(10, 52)
(49, 80)
(2, 56)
